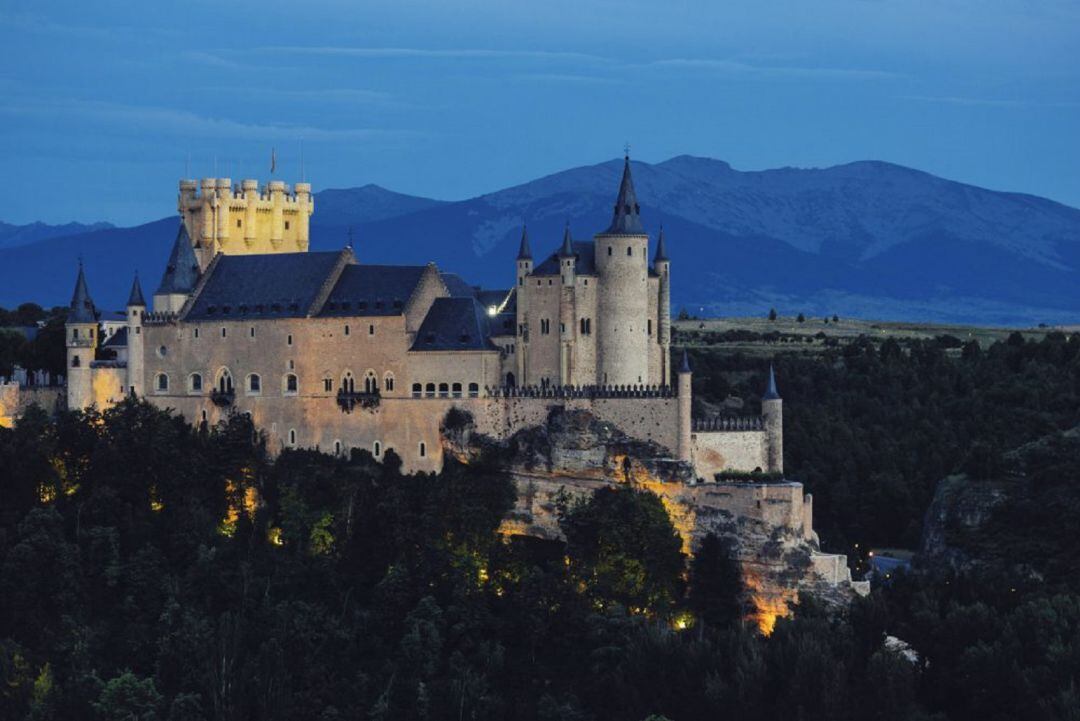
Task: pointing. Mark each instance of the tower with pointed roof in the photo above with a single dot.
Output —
(136, 307)
(662, 266)
(685, 438)
(81, 330)
(772, 410)
(622, 263)
(182, 273)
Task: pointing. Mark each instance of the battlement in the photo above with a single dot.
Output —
(583, 391)
(159, 318)
(720, 424)
(244, 218)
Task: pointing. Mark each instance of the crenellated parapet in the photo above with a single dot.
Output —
(582, 391)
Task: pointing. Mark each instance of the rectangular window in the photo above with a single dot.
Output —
(328, 384)
(223, 331)
(251, 331)
(196, 332)
(286, 225)
(650, 326)
(288, 340)
(346, 330)
(371, 330)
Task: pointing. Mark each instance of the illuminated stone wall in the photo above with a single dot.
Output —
(729, 450)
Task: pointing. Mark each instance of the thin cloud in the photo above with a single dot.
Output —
(988, 102)
(184, 123)
(735, 67)
(570, 79)
(444, 53)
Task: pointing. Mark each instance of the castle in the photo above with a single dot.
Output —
(325, 351)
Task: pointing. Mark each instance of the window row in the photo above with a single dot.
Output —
(251, 330)
(290, 383)
(444, 390)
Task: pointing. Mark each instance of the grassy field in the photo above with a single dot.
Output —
(815, 334)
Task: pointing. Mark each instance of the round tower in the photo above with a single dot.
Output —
(524, 270)
(567, 310)
(686, 428)
(772, 410)
(136, 307)
(250, 188)
(277, 207)
(622, 263)
(81, 338)
(662, 266)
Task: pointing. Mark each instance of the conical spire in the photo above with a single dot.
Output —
(82, 305)
(182, 271)
(136, 296)
(661, 248)
(567, 249)
(524, 253)
(684, 367)
(626, 219)
(771, 394)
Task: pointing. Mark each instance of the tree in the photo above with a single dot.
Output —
(801, 318)
(715, 582)
(772, 313)
(128, 698)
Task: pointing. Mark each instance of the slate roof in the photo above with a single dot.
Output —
(524, 252)
(82, 305)
(136, 295)
(584, 256)
(454, 324)
(276, 285)
(626, 218)
(661, 248)
(373, 290)
(119, 339)
(771, 394)
(182, 271)
(457, 286)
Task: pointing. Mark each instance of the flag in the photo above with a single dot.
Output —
(273, 160)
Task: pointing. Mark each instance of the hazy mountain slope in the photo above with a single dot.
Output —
(869, 239)
(14, 235)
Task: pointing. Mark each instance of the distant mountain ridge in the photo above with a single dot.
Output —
(869, 239)
(15, 235)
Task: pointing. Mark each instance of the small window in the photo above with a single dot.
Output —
(474, 390)
(204, 416)
(292, 384)
(223, 333)
(649, 328)
(429, 390)
(251, 331)
(195, 383)
(629, 250)
(75, 362)
(292, 436)
(417, 390)
(346, 330)
(161, 383)
(388, 382)
(423, 449)
(455, 390)
(444, 390)
(609, 250)
(371, 330)
(254, 383)
(337, 448)
(328, 385)
(288, 339)
(162, 351)
(376, 449)
(238, 223)
(74, 333)
(286, 225)
(196, 332)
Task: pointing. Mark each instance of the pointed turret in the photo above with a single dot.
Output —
(684, 367)
(771, 394)
(136, 296)
(182, 271)
(82, 305)
(626, 220)
(661, 248)
(567, 249)
(524, 252)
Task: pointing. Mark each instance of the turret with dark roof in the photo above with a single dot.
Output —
(567, 249)
(524, 252)
(771, 394)
(136, 295)
(182, 271)
(661, 248)
(626, 220)
(82, 308)
(684, 367)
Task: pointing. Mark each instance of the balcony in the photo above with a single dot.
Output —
(223, 399)
(348, 400)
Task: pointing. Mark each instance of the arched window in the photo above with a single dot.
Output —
(254, 384)
(161, 382)
(195, 383)
(327, 383)
(417, 390)
(455, 390)
(629, 250)
(429, 390)
(474, 390)
(377, 449)
(292, 384)
(371, 382)
(224, 381)
(444, 390)
(510, 381)
(75, 362)
(348, 383)
(388, 382)
(337, 448)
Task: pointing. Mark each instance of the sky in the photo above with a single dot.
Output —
(104, 105)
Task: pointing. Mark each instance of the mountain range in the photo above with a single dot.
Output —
(868, 239)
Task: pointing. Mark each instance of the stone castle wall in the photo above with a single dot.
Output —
(718, 451)
(15, 399)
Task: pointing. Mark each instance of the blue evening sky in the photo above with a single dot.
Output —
(102, 102)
